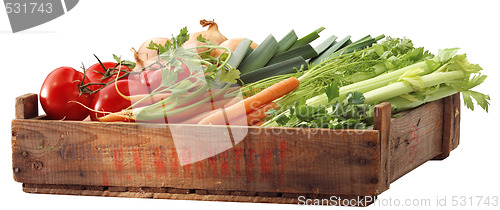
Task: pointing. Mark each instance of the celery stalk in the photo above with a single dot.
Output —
(401, 88)
(401, 104)
(371, 84)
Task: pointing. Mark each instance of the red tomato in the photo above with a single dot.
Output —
(150, 78)
(97, 74)
(61, 93)
(108, 100)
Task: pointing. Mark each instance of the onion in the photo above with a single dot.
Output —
(144, 56)
(231, 44)
(212, 34)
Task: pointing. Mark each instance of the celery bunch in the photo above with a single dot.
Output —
(411, 86)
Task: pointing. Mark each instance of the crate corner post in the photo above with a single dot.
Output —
(382, 123)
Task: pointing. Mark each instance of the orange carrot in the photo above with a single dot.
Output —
(260, 113)
(127, 115)
(182, 116)
(251, 103)
(196, 119)
(252, 117)
(259, 123)
(122, 116)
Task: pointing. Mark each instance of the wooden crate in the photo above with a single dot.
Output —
(274, 165)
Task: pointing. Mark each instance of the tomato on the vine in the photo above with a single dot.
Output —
(62, 96)
(105, 73)
(109, 100)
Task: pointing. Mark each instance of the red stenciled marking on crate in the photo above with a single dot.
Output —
(105, 179)
(235, 162)
(282, 162)
(186, 156)
(137, 154)
(412, 148)
(237, 158)
(224, 167)
(174, 162)
(159, 161)
(265, 164)
(213, 165)
(249, 162)
(199, 169)
(118, 162)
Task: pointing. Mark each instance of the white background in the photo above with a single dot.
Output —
(107, 27)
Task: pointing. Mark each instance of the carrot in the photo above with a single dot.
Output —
(260, 113)
(182, 116)
(196, 119)
(252, 117)
(122, 116)
(259, 123)
(127, 115)
(251, 103)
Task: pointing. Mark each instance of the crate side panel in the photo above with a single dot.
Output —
(415, 138)
(132, 155)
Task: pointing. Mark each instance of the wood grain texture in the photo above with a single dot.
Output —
(455, 141)
(233, 196)
(134, 155)
(415, 137)
(27, 106)
(451, 125)
(382, 123)
(274, 165)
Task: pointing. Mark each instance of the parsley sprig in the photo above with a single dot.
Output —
(351, 113)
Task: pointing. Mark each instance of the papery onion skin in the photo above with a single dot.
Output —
(212, 34)
(144, 56)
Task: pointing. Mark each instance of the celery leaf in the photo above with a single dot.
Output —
(355, 97)
(446, 54)
(481, 99)
(332, 91)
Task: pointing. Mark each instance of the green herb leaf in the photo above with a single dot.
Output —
(174, 43)
(126, 63)
(481, 99)
(282, 120)
(230, 76)
(355, 98)
(332, 91)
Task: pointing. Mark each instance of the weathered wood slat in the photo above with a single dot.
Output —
(274, 165)
(382, 123)
(27, 106)
(134, 155)
(415, 137)
(451, 126)
(232, 196)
